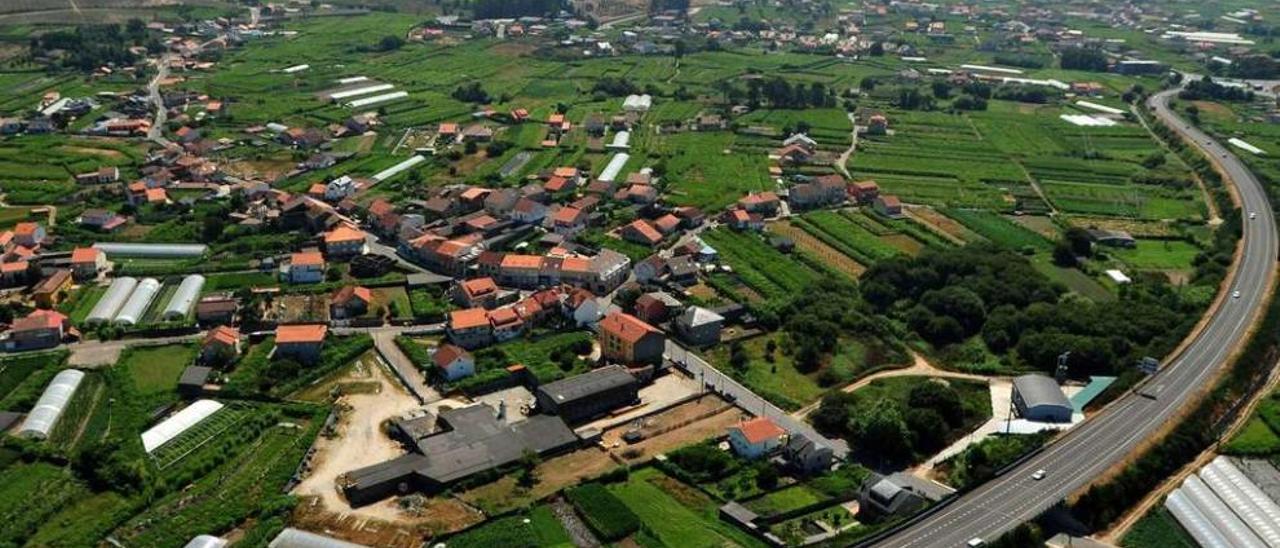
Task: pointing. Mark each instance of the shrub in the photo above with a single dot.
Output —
(604, 513)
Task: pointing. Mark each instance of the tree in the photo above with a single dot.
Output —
(882, 426)
(929, 430)
(1063, 255)
(1078, 240)
(767, 477)
(390, 43)
(938, 397)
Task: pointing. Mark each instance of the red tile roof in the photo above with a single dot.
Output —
(479, 287)
(307, 258)
(760, 429)
(287, 334)
(81, 255)
(468, 319)
(447, 354)
(40, 319)
(223, 335)
(626, 327)
(343, 233)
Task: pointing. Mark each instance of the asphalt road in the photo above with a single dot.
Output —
(1090, 449)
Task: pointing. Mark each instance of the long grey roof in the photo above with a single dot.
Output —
(1037, 390)
(587, 384)
(695, 316)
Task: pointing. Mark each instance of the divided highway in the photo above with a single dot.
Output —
(1088, 450)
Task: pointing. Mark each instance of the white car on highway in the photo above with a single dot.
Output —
(1253, 215)
(1039, 474)
(1235, 294)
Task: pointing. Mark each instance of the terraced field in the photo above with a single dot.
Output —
(809, 243)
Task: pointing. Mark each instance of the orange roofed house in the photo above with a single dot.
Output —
(221, 345)
(305, 267)
(350, 302)
(344, 242)
(627, 339)
(755, 438)
(300, 342)
(40, 329)
(470, 328)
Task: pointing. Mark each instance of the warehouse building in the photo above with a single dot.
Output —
(1038, 398)
(589, 395)
(454, 445)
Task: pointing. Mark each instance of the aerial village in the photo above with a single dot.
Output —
(517, 297)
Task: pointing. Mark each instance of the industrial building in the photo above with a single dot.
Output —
(1038, 398)
(184, 298)
(586, 396)
(454, 445)
(52, 403)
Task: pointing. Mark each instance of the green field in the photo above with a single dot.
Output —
(1158, 255)
(157, 368)
(762, 268)
(999, 230)
(676, 514)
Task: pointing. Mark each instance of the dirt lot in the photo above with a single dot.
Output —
(300, 308)
(359, 441)
(679, 426)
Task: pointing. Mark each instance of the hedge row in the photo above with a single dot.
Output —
(604, 513)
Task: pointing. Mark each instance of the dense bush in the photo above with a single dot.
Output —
(604, 513)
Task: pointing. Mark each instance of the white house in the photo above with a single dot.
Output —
(755, 438)
(454, 362)
(583, 307)
(339, 188)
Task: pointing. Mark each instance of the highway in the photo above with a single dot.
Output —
(1087, 451)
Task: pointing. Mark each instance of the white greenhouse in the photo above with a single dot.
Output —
(180, 422)
(297, 538)
(138, 302)
(109, 305)
(160, 251)
(51, 404)
(184, 298)
(206, 541)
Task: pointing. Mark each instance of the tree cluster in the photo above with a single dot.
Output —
(509, 9)
(471, 93)
(1079, 58)
(1206, 89)
(897, 429)
(88, 47)
(949, 296)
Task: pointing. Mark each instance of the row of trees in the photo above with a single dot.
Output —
(1206, 89)
(779, 93)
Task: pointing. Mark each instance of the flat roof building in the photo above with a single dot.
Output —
(582, 397)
